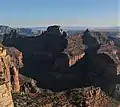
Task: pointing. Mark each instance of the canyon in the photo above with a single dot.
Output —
(63, 63)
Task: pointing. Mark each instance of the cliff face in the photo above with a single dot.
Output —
(9, 80)
(42, 54)
(51, 41)
(99, 65)
(75, 46)
(10, 64)
(5, 97)
(59, 62)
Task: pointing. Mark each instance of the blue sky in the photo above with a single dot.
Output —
(63, 12)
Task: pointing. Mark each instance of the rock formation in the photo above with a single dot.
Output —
(9, 82)
(5, 96)
(47, 58)
(98, 63)
(42, 54)
(80, 97)
(9, 68)
(46, 42)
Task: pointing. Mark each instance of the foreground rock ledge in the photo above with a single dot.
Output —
(79, 97)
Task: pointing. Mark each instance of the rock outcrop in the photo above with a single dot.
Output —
(5, 97)
(99, 65)
(47, 57)
(42, 54)
(9, 80)
(10, 67)
(80, 97)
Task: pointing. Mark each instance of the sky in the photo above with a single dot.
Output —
(24, 13)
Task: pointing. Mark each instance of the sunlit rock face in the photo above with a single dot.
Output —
(10, 65)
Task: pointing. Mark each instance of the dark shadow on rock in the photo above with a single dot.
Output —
(42, 55)
(45, 61)
(97, 69)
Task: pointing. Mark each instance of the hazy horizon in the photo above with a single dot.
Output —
(102, 27)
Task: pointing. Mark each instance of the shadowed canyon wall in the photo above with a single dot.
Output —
(46, 60)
